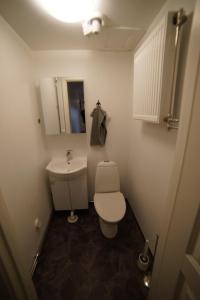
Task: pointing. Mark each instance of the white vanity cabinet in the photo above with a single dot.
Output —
(70, 193)
(78, 191)
(60, 194)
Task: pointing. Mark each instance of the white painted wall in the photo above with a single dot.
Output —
(107, 77)
(22, 150)
(151, 151)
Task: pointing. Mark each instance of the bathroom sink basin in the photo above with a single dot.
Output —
(60, 167)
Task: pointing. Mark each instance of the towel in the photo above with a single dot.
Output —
(99, 132)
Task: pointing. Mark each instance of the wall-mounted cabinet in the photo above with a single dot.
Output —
(63, 105)
(153, 73)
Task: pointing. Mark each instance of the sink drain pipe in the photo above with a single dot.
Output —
(72, 218)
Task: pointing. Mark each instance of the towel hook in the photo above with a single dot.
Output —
(98, 104)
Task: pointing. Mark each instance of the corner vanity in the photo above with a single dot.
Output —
(68, 180)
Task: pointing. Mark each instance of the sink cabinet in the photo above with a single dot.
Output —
(69, 193)
(60, 194)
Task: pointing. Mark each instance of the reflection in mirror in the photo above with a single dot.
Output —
(76, 106)
(71, 105)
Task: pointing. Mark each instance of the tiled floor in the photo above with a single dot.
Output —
(78, 263)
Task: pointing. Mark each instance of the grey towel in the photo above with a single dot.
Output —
(99, 132)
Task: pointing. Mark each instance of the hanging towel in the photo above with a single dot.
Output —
(99, 132)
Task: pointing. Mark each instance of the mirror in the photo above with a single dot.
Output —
(63, 105)
(76, 106)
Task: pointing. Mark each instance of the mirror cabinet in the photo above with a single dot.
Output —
(63, 105)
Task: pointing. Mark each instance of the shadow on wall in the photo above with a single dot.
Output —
(97, 154)
(158, 133)
(40, 118)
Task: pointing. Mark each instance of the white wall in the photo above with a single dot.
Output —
(152, 150)
(107, 77)
(23, 153)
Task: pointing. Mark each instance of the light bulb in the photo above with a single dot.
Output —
(69, 11)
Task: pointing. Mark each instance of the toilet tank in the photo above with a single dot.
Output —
(107, 177)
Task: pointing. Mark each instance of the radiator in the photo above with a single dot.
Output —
(153, 72)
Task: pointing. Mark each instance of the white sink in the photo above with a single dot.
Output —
(60, 166)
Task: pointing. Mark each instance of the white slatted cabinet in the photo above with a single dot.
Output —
(153, 73)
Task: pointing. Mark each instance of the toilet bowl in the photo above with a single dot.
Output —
(109, 202)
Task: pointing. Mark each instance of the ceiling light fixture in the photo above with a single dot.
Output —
(98, 22)
(69, 11)
(94, 24)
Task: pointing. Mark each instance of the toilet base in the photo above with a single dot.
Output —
(109, 230)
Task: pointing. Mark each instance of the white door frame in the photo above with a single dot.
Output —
(159, 277)
(17, 283)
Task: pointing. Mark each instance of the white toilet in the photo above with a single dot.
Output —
(109, 203)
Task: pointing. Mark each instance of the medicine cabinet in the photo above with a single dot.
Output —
(63, 105)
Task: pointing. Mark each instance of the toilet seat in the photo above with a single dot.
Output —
(111, 207)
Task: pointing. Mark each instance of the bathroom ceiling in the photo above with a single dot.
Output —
(42, 32)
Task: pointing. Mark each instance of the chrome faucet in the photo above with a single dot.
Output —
(68, 155)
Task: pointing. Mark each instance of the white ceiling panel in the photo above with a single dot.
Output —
(42, 32)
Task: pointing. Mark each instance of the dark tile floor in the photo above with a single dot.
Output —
(78, 263)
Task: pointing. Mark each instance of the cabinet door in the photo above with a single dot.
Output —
(61, 196)
(50, 106)
(78, 191)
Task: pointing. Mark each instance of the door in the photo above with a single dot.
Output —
(15, 282)
(176, 275)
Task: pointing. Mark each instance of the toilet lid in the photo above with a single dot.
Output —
(111, 207)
